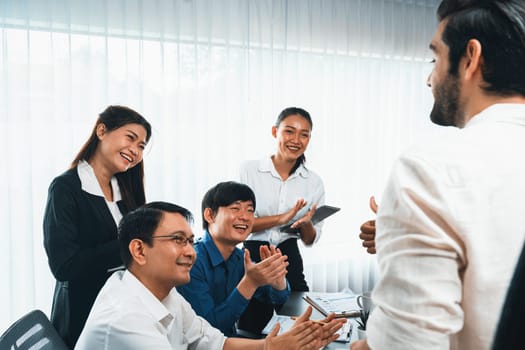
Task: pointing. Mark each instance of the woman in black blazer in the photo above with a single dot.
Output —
(83, 208)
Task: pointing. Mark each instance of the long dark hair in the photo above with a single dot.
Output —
(295, 111)
(131, 182)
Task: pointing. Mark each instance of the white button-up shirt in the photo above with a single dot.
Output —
(89, 183)
(450, 228)
(275, 196)
(126, 315)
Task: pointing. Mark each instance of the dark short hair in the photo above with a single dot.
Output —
(499, 25)
(131, 182)
(295, 111)
(142, 222)
(224, 194)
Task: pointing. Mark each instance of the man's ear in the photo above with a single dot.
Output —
(136, 248)
(472, 59)
(274, 131)
(208, 216)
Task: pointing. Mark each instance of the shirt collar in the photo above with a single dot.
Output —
(90, 183)
(154, 305)
(513, 113)
(266, 166)
(214, 253)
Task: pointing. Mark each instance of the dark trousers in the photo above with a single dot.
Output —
(258, 313)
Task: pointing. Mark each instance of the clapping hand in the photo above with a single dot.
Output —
(330, 327)
(305, 334)
(284, 218)
(279, 280)
(270, 270)
(306, 218)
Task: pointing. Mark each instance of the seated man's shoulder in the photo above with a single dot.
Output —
(112, 319)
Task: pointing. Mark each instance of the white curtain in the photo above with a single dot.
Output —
(211, 77)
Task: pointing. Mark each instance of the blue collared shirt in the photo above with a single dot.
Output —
(212, 291)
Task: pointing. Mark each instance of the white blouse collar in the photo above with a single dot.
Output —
(266, 165)
(90, 184)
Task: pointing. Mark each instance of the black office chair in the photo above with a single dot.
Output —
(33, 331)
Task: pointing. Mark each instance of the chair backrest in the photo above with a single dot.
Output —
(33, 331)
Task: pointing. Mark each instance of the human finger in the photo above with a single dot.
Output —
(247, 259)
(306, 218)
(312, 210)
(329, 318)
(275, 330)
(305, 316)
(308, 335)
(330, 329)
(271, 268)
(367, 236)
(264, 251)
(369, 244)
(373, 204)
(301, 202)
(368, 226)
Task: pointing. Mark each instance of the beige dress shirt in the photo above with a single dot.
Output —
(450, 228)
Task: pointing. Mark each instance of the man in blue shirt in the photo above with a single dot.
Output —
(224, 280)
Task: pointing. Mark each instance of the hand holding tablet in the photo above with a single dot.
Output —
(320, 214)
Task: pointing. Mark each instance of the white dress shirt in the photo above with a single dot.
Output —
(450, 228)
(275, 196)
(90, 185)
(126, 315)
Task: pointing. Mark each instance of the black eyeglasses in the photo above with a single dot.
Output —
(179, 239)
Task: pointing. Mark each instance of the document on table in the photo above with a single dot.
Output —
(287, 322)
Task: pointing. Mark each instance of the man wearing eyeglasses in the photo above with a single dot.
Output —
(224, 280)
(139, 308)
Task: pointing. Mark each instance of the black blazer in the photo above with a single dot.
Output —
(80, 238)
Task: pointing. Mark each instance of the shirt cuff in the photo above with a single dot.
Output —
(280, 296)
(238, 301)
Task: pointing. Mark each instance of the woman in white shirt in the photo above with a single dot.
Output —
(84, 206)
(286, 192)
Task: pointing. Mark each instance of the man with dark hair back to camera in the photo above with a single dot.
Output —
(139, 308)
(451, 222)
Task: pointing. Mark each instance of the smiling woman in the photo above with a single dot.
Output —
(83, 209)
(287, 193)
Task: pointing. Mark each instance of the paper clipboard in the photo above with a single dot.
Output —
(343, 305)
